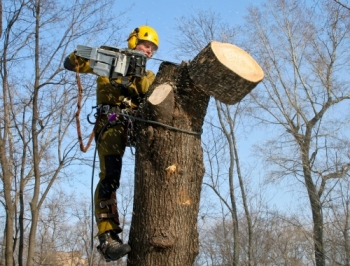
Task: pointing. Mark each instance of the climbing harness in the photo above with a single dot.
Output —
(117, 115)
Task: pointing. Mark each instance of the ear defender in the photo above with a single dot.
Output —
(133, 39)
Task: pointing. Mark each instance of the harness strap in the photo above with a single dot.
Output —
(104, 204)
(102, 216)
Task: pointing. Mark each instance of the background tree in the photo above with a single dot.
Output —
(343, 4)
(36, 145)
(337, 221)
(304, 52)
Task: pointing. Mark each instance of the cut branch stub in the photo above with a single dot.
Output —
(161, 103)
(225, 71)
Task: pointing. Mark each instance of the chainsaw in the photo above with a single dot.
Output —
(112, 62)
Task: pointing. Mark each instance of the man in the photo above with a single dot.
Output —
(110, 141)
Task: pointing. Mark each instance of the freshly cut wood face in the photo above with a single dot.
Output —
(237, 60)
(159, 94)
(225, 71)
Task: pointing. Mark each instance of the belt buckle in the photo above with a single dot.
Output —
(105, 109)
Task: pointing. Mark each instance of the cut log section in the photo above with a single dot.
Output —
(225, 71)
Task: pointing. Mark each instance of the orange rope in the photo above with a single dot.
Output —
(77, 114)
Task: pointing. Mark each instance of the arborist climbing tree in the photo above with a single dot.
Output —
(122, 82)
(169, 161)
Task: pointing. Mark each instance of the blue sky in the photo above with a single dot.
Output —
(162, 15)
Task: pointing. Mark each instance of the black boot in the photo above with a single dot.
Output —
(111, 247)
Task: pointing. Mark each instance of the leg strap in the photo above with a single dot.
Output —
(111, 206)
(106, 203)
(102, 216)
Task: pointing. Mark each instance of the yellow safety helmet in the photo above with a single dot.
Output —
(142, 33)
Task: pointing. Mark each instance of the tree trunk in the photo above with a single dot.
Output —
(169, 158)
(34, 208)
(169, 172)
(6, 163)
(316, 209)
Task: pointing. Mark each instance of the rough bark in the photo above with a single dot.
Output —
(169, 172)
(169, 158)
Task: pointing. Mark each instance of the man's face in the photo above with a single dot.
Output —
(147, 47)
